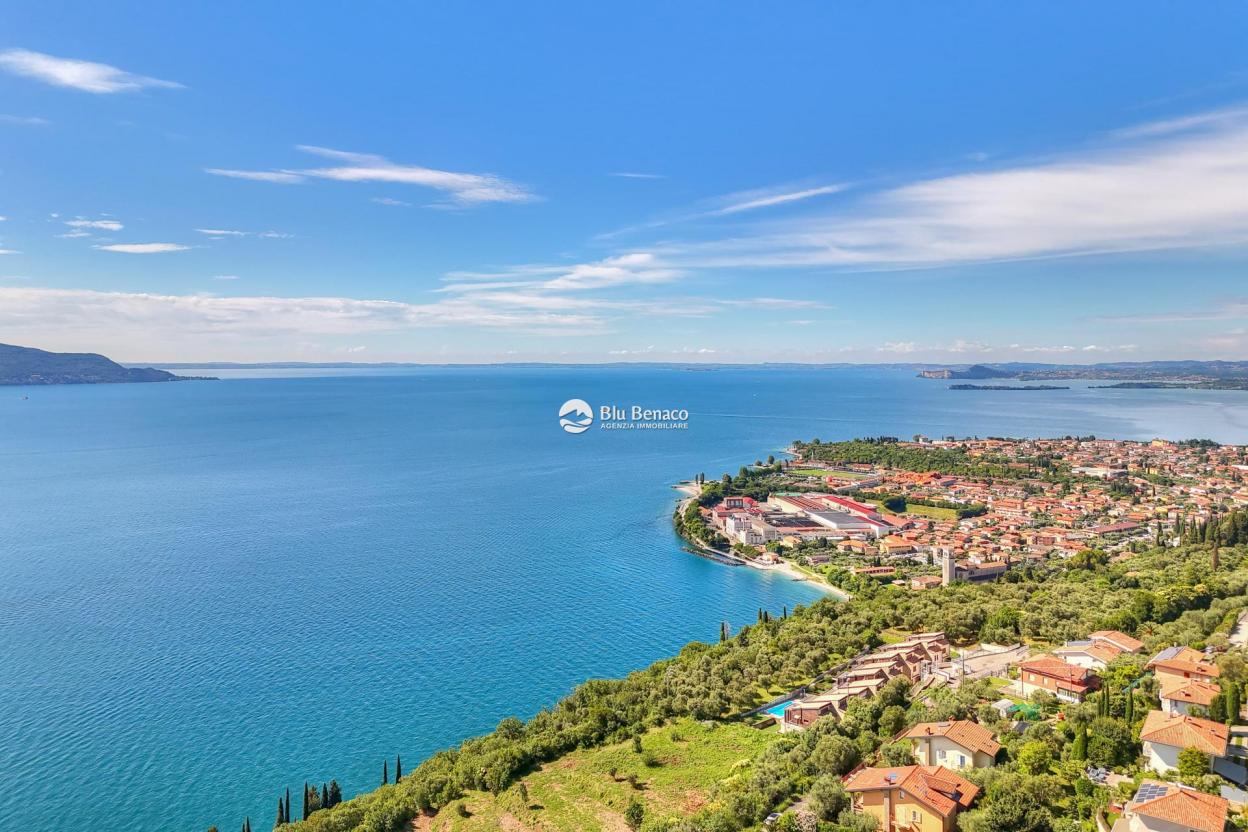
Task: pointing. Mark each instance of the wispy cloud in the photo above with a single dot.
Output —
(1183, 186)
(221, 233)
(145, 315)
(634, 175)
(143, 248)
(98, 225)
(75, 74)
(9, 251)
(753, 200)
(391, 201)
(225, 277)
(461, 188)
(24, 121)
(275, 176)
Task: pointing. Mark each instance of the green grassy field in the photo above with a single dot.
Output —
(921, 511)
(827, 472)
(578, 792)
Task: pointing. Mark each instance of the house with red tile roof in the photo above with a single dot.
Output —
(1179, 698)
(911, 798)
(955, 744)
(1068, 682)
(1176, 665)
(1170, 807)
(1165, 736)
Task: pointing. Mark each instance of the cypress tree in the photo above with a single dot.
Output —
(324, 796)
(1080, 749)
(305, 799)
(335, 793)
(723, 631)
(398, 767)
(385, 772)
(1130, 708)
(287, 814)
(281, 811)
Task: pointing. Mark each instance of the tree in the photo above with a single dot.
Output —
(634, 814)
(281, 814)
(834, 754)
(1010, 811)
(1193, 765)
(385, 772)
(897, 754)
(892, 720)
(1035, 758)
(1109, 743)
(335, 793)
(398, 767)
(1079, 749)
(828, 797)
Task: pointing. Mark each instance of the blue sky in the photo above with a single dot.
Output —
(603, 182)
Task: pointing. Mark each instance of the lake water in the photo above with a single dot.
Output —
(210, 592)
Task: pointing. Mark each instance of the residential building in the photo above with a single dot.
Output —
(1170, 807)
(1068, 682)
(1176, 665)
(1180, 697)
(1166, 735)
(911, 798)
(955, 744)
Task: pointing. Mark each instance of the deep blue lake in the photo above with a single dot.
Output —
(210, 592)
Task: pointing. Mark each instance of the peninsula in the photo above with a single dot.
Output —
(27, 365)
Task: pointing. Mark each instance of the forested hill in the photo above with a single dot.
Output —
(1165, 596)
(26, 365)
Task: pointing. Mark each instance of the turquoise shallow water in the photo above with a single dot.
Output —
(213, 591)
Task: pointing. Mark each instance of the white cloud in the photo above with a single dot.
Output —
(219, 233)
(146, 316)
(101, 225)
(24, 121)
(80, 75)
(633, 175)
(276, 176)
(385, 200)
(462, 188)
(74, 235)
(9, 251)
(900, 347)
(752, 200)
(225, 277)
(143, 248)
(1184, 186)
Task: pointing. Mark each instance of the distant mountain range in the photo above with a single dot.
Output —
(26, 365)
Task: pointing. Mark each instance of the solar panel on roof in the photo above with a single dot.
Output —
(1151, 791)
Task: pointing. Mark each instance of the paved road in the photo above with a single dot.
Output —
(1239, 635)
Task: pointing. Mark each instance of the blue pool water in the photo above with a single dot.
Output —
(778, 710)
(211, 592)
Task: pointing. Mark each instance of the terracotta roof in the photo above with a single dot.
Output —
(970, 735)
(1182, 731)
(936, 787)
(1056, 669)
(1192, 691)
(1184, 660)
(1178, 805)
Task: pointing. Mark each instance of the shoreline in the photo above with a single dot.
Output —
(793, 571)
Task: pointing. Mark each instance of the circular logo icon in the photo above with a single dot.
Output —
(575, 416)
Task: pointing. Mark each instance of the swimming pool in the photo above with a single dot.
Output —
(778, 710)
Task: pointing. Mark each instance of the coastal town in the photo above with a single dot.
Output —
(848, 521)
(870, 516)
